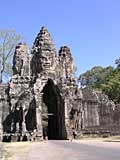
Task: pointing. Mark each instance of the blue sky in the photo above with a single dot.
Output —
(91, 28)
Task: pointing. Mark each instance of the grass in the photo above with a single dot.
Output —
(11, 150)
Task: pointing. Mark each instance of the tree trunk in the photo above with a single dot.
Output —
(1, 77)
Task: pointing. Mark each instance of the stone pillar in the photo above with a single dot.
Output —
(39, 121)
(23, 123)
(66, 111)
(39, 117)
(85, 115)
(97, 123)
(67, 122)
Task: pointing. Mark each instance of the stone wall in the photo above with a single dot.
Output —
(99, 114)
(4, 107)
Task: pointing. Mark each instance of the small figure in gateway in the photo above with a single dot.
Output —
(74, 133)
(45, 134)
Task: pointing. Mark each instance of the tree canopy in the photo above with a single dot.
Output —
(8, 42)
(106, 79)
(112, 86)
(95, 77)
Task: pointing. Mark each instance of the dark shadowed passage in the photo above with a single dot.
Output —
(53, 117)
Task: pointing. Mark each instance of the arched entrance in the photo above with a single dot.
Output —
(53, 114)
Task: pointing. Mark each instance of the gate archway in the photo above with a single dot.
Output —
(53, 113)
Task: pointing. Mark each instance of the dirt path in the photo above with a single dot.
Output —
(47, 151)
(76, 150)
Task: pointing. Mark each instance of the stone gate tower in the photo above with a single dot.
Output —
(43, 95)
(38, 91)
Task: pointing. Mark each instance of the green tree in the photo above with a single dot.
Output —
(8, 42)
(90, 76)
(117, 62)
(95, 77)
(105, 79)
(112, 86)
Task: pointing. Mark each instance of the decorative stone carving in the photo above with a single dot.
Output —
(44, 53)
(21, 65)
(66, 63)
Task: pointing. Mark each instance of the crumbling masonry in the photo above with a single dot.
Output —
(43, 94)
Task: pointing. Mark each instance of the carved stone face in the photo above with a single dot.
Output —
(20, 59)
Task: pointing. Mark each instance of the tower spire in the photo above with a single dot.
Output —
(44, 52)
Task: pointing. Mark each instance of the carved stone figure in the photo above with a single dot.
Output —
(21, 60)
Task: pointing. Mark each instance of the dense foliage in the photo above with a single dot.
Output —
(105, 79)
(112, 85)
